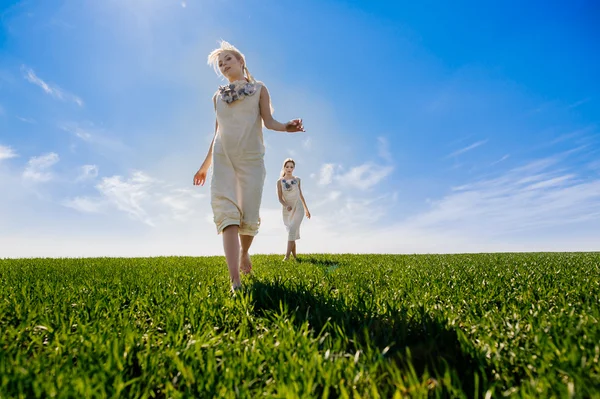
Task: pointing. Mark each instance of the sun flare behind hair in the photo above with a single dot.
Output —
(224, 46)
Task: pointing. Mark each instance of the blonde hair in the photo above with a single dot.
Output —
(213, 58)
(285, 163)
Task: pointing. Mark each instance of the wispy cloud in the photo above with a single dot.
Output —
(504, 158)
(466, 149)
(93, 135)
(534, 196)
(578, 103)
(87, 172)
(363, 177)
(51, 89)
(7, 152)
(326, 175)
(307, 143)
(85, 204)
(37, 169)
(25, 120)
(141, 197)
(383, 149)
(366, 175)
(576, 134)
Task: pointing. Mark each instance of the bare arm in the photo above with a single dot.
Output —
(270, 123)
(208, 159)
(303, 201)
(280, 194)
(200, 176)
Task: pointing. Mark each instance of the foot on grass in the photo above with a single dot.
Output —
(245, 263)
(236, 288)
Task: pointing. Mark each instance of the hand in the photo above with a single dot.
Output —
(200, 176)
(289, 208)
(295, 125)
(308, 214)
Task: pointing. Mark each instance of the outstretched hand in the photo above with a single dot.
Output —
(295, 125)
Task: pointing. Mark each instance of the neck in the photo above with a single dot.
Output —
(235, 78)
(288, 175)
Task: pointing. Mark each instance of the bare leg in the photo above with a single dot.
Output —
(294, 250)
(288, 251)
(245, 262)
(231, 245)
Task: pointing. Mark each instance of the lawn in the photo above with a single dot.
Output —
(480, 325)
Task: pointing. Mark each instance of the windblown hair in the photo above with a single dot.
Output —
(224, 47)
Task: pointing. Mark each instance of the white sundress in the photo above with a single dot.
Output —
(292, 219)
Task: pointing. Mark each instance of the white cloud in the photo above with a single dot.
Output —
(88, 172)
(383, 149)
(526, 198)
(50, 89)
(7, 152)
(307, 143)
(128, 195)
(76, 130)
(504, 158)
(92, 135)
(37, 167)
(141, 197)
(326, 175)
(467, 148)
(578, 103)
(25, 120)
(366, 176)
(363, 177)
(84, 204)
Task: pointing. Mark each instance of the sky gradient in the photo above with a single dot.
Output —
(430, 127)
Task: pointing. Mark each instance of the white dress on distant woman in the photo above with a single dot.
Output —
(291, 195)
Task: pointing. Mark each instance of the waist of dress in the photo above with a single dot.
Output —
(238, 145)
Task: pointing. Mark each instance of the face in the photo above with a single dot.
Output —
(229, 65)
(289, 168)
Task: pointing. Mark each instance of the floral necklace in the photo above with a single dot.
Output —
(287, 184)
(237, 90)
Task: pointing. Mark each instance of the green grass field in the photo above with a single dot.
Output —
(486, 325)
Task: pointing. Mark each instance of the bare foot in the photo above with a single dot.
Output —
(235, 289)
(245, 263)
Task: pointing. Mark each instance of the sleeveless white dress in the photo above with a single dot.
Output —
(292, 219)
(239, 173)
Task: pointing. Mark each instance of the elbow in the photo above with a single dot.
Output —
(269, 123)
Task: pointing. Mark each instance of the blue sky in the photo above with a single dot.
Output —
(431, 127)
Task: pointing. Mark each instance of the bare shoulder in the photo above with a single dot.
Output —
(262, 87)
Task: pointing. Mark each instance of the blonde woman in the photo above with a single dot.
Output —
(237, 156)
(289, 192)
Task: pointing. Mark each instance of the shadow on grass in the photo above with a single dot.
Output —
(432, 345)
(318, 262)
